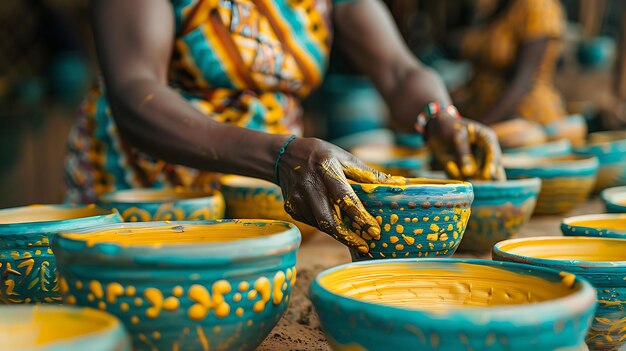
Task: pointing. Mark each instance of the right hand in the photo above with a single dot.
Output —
(314, 180)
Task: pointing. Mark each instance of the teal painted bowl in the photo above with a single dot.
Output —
(601, 261)
(614, 199)
(451, 304)
(566, 182)
(165, 204)
(28, 272)
(198, 285)
(571, 127)
(499, 211)
(610, 149)
(60, 328)
(392, 159)
(598, 225)
(557, 148)
(425, 218)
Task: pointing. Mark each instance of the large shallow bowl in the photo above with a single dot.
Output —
(599, 225)
(257, 199)
(451, 304)
(165, 204)
(424, 218)
(57, 328)
(614, 199)
(565, 181)
(550, 149)
(610, 149)
(601, 261)
(392, 159)
(28, 272)
(499, 211)
(203, 285)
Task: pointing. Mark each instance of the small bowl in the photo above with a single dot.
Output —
(572, 128)
(426, 217)
(602, 261)
(451, 304)
(598, 225)
(165, 204)
(198, 285)
(610, 149)
(499, 211)
(614, 199)
(550, 149)
(26, 261)
(257, 199)
(396, 160)
(60, 328)
(519, 132)
(565, 181)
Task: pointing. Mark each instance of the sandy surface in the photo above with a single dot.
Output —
(299, 329)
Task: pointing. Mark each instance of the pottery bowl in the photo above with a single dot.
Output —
(28, 272)
(602, 261)
(565, 181)
(392, 159)
(572, 128)
(451, 304)
(499, 211)
(257, 199)
(598, 225)
(424, 218)
(610, 149)
(519, 132)
(60, 328)
(614, 199)
(197, 285)
(550, 149)
(165, 204)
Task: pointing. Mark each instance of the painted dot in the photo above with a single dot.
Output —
(434, 227)
(250, 322)
(130, 291)
(436, 218)
(244, 286)
(372, 245)
(432, 237)
(407, 220)
(393, 218)
(285, 286)
(400, 229)
(409, 240)
(124, 307)
(79, 284)
(171, 303)
(70, 300)
(239, 311)
(217, 329)
(387, 227)
(399, 247)
(102, 305)
(385, 245)
(138, 301)
(418, 231)
(446, 218)
(49, 252)
(90, 297)
(156, 335)
(393, 254)
(414, 220)
(178, 291)
(134, 319)
(252, 294)
(393, 239)
(443, 237)
(237, 297)
(455, 235)
(425, 219)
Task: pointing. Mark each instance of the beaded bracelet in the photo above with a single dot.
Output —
(430, 112)
(280, 155)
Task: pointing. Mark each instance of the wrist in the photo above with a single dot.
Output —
(433, 111)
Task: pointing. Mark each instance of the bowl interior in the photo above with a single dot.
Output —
(615, 195)
(525, 161)
(235, 181)
(609, 222)
(440, 286)
(385, 153)
(48, 213)
(153, 195)
(607, 137)
(567, 249)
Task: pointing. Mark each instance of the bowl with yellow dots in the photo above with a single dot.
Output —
(60, 328)
(451, 304)
(164, 204)
(189, 285)
(601, 261)
(28, 272)
(607, 225)
(424, 218)
(394, 159)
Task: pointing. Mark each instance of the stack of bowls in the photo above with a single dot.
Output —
(598, 225)
(614, 199)
(392, 159)
(610, 149)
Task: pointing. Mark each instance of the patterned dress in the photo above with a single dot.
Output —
(244, 62)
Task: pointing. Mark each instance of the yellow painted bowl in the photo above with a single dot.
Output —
(599, 225)
(393, 159)
(601, 261)
(56, 328)
(451, 304)
(164, 204)
(257, 199)
(610, 149)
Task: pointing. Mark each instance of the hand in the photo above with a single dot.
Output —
(466, 149)
(314, 179)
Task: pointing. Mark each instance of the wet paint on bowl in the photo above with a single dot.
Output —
(610, 149)
(614, 199)
(550, 149)
(60, 328)
(598, 225)
(451, 304)
(499, 211)
(566, 182)
(602, 261)
(28, 272)
(200, 285)
(165, 204)
(391, 159)
(424, 218)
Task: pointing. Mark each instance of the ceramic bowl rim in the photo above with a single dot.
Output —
(588, 161)
(613, 194)
(265, 187)
(545, 146)
(497, 313)
(42, 226)
(568, 221)
(111, 199)
(589, 144)
(435, 183)
(533, 182)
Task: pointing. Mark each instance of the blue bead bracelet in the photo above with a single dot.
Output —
(280, 155)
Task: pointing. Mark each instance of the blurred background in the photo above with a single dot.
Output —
(47, 63)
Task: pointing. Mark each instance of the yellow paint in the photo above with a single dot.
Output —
(203, 339)
(138, 302)
(618, 223)
(244, 286)
(79, 284)
(178, 291)
(409, 240)
(418, 231)
(102, 305)
(156, 335)
(44, 213)
(279, 279)
(569, 248)
(410, 183)
(393, 218)
(387, 227)
(114, 290)
(400, 229)
(379, 219)
(171, 304)
(237, 297)
(393, 239)
(432, 237)
(262, 285)
(204, 301)
(124, 307)
(130, 291)
(96, 289)
(399, 247)
(239, 311)
(155, 298)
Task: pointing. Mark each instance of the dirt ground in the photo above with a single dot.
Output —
(299, 329)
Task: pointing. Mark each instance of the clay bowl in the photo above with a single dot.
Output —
(519, 132)
(165, 204)
(197, 285)
(425, 218)
(610, 149)
(565, 181)
(599, 225)
(572, 128)
(557, 148)
(27, 265)
(499, 211)
(451, 304)
(614, 199)
(392, 159)
(257, 199)
(602, 261)
(57, 328)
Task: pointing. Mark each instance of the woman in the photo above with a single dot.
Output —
(214, 85)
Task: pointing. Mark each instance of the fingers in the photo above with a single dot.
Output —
(464, 158)
(299, 209)
(491, 167)
(354, 169)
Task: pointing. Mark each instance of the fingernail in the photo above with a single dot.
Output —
(374, 232)
(363, 249)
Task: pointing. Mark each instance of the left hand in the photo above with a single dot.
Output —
(466, 149)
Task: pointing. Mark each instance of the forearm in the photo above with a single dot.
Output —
(509, 101)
